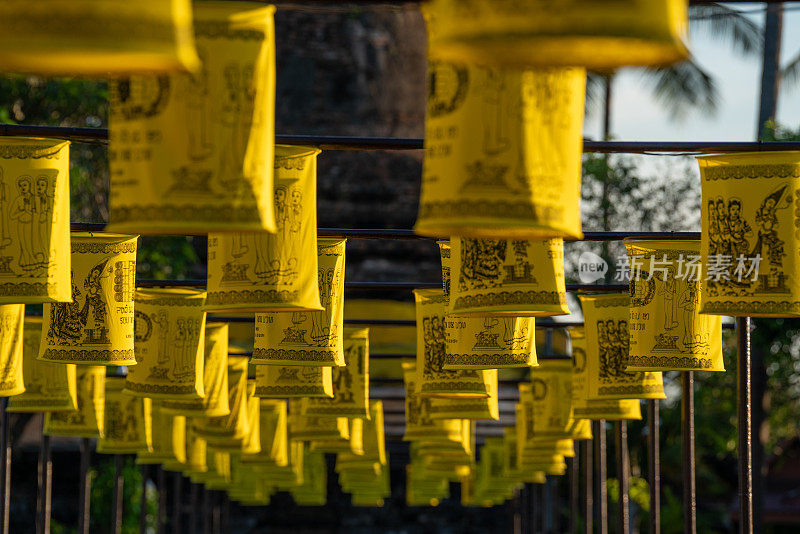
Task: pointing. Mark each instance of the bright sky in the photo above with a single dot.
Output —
(636, 116)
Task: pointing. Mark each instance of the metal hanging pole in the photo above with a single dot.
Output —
(45, 472)
(85, 489)
(623, 475)
(177, 505)
(194, 516)
(207, 512)
(688, 467)
(745, 427)
(574, 490)
(601, 491)
(654, 465)
(161, 519)
(588, 502)
(143, 500)
(116, 518)
(5, 466)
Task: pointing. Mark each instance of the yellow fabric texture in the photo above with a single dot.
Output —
(88, 420)
(196, 452)
(502, 152)
(433, 379)
(551, 393)
(354, 442)
(263, 271)
(215, 378)
(607, 337)
(34, 236)
(49, 387)
(232, 426)
(96, 328)
(483, 342)
(350, 382)
(307, 428)
(277, 381)
(308, 337)
(192, 153)
(169, 342)
(543, 33)
(169, 438)
(594, 409)
(668, 333)
(374, 442)
(12, 318)
(96, 37)
(506, 277)
(274, 435)
(313, 491)
(749, 211)
(128, 426)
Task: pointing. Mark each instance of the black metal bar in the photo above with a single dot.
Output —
(216, 514)
(654, 465)
(145, 469)
(688, 467)
(85, 489)
(574, 490)
(116, 508)
(207, 512)
(177, 502)
(588, 501)
(161, 518)
(5, 466)
(45, 477)
(623, 475)
(195, 517)
(601, 491)
(555, 505)
(745, 427)
(225, 521)
(99, 135)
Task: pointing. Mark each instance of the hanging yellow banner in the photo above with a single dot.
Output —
(272, 271)
(169, 341)
(277, 381)
(232, 426)
(34, 230)
(196, 452)
(169, 438)
(215, 378)
(550, 390)
(96, 328)
(128, 424)
(668, 332)
(87, 421)
(502, 152)
(96, 38)
(749, 245)
(273, 424)
(607, 338)
(49, 387)
(476, 342)
(374, 441)
(600, 36)
(193, 153)
(353, 443)
(505, 277)
(419, 423)
(350, 382)
(594, 409)
(12, 317)
(313, 491)
(434, 380)
(308, 337)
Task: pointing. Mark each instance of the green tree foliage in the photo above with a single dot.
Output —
(103, 497)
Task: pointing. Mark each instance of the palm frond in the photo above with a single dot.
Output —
(683, 87)
(728, 24)
(790, 73)
(595, 87)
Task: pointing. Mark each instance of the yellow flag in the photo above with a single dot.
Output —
(96, 328)
(313, 491)
(600, 36)
(551, 392)
(169, 341)
(433, 379)
(307, 428)
(34, 232)
(128, 423)
(308, 337)
(215, 378)
(502, 152)
(277, 381)
(749, 245)
(196, 452)
(668, 332)
(606, 322)
(484, 342)
(232, 426)
(505, 277)
(274, 435)
(594, 409)
(12, 317)
(419, 423)
(353, 443)
(169, 438)
(272, 271)
(192, 153)
(49, 387)
(95, 38)
(87, 421)
(373, 439)
(350, 382)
